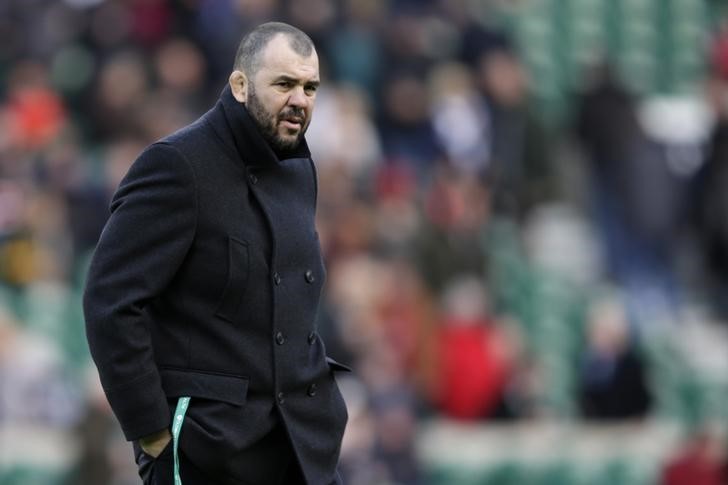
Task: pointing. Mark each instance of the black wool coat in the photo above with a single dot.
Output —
(205, 283)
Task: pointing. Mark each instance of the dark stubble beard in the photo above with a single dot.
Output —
(268, 123)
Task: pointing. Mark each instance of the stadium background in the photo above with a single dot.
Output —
(520, 205)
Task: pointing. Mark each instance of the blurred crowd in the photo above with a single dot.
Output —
(485, 264)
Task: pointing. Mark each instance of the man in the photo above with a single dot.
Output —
(205, 285)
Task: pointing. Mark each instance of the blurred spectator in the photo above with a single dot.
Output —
(151, 21)
(612, 377)
(638, 221)
(215, 23)
(450, 242)
(35, 388)
(180, 69)
(397, 212)
(123, 82)
(357, 463)
(405, 127)
(700, 461)
(356, 45)
(94, 465)
(378, 313)
(718, 55)
(392, 406)
(711, 196)
(475, 38)
(518, 164)
(395, 436)
(403, 311)
(456, 103)
(342, 132)
(36, 113)
(160, 113)
(110, 25)
(405, 38)
(475, 359)
(39, 405)
(315, 17)
(103, 455)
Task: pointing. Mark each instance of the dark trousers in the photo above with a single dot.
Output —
(160, 471)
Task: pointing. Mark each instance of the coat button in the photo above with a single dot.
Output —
(311, 338)
(280, 338)
(309, 276)
(253, 179)
(281, 398)
(311, 390)
(276, 278)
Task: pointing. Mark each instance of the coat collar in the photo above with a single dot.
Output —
(236, 127)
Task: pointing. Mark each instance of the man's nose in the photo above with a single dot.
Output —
(298, 98)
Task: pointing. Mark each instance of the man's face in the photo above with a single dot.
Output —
(282, 92)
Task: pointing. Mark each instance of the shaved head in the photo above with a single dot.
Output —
(248, 57)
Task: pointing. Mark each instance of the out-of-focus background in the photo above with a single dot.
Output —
(523, 206)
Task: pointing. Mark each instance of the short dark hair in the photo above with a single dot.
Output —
(247, 58)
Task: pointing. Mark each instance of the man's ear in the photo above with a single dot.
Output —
(239, 85)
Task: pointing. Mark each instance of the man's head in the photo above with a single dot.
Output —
(276, 75)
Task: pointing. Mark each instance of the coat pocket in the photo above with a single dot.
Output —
(237, 280)
(215, 425)
(216, 387)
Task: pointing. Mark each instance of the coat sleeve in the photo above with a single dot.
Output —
(151, 227)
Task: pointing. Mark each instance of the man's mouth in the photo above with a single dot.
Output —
(293, 119)
(292, 122)
(292, 116)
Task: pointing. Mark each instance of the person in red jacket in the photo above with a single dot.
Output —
(700, 461)
(474, 357)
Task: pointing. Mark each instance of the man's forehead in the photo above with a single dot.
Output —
(280, 58)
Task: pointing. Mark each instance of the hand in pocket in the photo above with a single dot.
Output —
(154, 444)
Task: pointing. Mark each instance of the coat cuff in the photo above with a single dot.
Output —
(140, 406)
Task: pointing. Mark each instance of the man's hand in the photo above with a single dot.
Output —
(154, 444)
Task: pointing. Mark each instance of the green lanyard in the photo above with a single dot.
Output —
(179, 416)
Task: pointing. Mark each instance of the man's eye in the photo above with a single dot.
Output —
(311, 89)
(284, 84)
